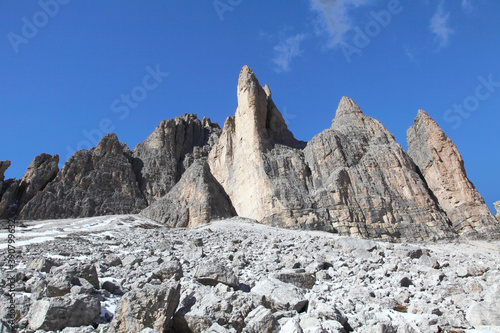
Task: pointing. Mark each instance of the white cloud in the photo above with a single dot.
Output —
(286, 51)
(335, 17)
(439, 26)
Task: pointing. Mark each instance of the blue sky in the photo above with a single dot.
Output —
(73, 70)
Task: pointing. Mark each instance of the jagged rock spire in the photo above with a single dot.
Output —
(443, 168)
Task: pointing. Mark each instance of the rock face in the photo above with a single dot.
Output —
(497, 207)
(42, 170)
(352, 178)
(161, 159)
(365, 182)
(443, 169)
(4, 165)
(99, 181)
(196, 199)
(239, 161)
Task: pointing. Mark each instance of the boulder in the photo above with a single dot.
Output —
(41, 264)
(174, 145)
(442, 166)
(151, 306)
(260, 320)
(298, 278)
(211, 273)
(79, 270)
(486, 312)
(94, 182)
(169, 270)
(195, 200)
(56, 313)
(280, 296)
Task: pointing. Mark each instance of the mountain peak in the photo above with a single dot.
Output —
(347, 106)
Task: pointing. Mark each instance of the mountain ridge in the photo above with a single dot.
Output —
(352, 178)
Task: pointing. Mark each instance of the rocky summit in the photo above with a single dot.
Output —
(352, 178)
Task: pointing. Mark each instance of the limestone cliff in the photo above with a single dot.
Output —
(195, 200)
(443, 168)
(366, 182)
(161, 159)
(352, 178)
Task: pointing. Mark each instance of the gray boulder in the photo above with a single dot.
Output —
(56, 313)
(297, 277)
(280, 296)
(260, 320)
(211, 273)
(147, 307)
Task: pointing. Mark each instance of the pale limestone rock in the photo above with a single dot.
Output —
(353, 178)
(497, 207)
(443, 168)
(239, 161)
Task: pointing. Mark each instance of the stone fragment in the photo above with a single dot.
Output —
(169, 270)
(56, 313)
(211, 273)
(298, 278)
(41, 265)
(147, 307)
(291, 326)
(260, 320)
(486, 312)
(280, 296)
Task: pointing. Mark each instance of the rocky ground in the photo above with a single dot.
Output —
(128, 274)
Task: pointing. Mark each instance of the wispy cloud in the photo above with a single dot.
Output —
(286, 50)
(409, 52)
(439, 26)
(467, 5)
(335, 17)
